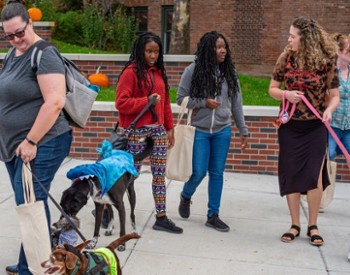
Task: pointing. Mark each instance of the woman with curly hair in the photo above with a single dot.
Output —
(142, 78)
(341, 116)
(306, 67)
(212, 84)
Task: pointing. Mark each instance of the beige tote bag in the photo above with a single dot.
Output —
(179, 159)
(328, 193)
(33, 225)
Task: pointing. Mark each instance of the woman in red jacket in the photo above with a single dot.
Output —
(142, 78)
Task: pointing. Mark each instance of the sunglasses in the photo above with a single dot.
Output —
(18, 34)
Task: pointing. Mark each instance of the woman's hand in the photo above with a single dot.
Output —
(212, 103)
(293, 96)
(244, 142)
(156, 98)
(171, 138)
(327, 115)
(26, 151)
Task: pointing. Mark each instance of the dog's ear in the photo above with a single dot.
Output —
(71, 260)
(81, 246)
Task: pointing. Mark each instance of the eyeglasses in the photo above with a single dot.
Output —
(18, 34)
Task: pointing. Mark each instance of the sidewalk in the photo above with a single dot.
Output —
(251, 205)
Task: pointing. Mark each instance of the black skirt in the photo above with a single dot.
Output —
(303, 146)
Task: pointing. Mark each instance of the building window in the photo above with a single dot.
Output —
(167, 20)
(141, 15)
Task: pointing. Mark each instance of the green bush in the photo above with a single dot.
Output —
(124, 29)
(93, 26)
(69, 28)
(108, 28)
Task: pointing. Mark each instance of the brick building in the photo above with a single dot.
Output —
(257, 30)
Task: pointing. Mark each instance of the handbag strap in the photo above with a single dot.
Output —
(329, 128)
(27, 183)
(149, 104)
(183, 108)
(54, 201)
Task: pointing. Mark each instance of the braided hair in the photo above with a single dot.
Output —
(205, 82)
(14, 8)
(138, 60)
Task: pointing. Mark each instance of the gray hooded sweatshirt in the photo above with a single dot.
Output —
(212, 120)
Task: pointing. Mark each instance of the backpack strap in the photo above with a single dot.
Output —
(37, 53)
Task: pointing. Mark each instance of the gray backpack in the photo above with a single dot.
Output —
(80, 94)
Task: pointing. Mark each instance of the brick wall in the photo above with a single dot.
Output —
(257, 30)
(259, 158)
(112, 65)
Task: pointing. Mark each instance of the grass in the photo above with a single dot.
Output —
(254, 91)
(70, 48)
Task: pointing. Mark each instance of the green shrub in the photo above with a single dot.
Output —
(69, 28)
(123, 30)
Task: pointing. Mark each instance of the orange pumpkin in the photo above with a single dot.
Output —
(99, 79)
(35, 14)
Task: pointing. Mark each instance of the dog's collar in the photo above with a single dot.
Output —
(76, 252)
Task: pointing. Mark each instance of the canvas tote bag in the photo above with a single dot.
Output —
(33, 225)
(328, 193)
(179, 159)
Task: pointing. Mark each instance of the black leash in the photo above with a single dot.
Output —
(55, 203)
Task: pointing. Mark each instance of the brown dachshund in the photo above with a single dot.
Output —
(71, 260)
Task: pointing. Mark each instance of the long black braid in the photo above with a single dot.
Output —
(206, 83)
(137, 58)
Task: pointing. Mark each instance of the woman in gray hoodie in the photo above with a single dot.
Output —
(212, 84)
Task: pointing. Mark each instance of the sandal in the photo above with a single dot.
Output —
(289, 235)
(314, 237)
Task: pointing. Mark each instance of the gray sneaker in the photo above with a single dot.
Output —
(165, 224)
(216, 223)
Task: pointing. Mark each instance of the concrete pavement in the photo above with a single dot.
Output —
(251, 205)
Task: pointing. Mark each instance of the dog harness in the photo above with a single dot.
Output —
(97, 265)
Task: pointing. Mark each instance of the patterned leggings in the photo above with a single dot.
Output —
(158, 156)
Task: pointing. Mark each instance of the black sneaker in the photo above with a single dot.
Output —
(184, 207)
(217, 224)
(12, 269)
(165, 224)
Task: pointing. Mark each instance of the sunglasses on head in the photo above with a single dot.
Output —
(18, 34)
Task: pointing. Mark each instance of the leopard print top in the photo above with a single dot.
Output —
(314, 84)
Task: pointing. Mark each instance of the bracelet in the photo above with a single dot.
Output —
(31, 141)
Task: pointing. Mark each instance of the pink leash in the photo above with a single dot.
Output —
(284, 117)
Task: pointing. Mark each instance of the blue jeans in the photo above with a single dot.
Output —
(344, 136)
(49, 157)
(209, 154)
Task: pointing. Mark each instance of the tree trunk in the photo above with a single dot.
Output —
(180, 30)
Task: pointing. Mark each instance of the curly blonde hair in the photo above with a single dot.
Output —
(341, 40)
(317, 48)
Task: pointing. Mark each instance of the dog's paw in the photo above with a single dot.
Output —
(121, 247)
(109, 232)
(92, 244)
